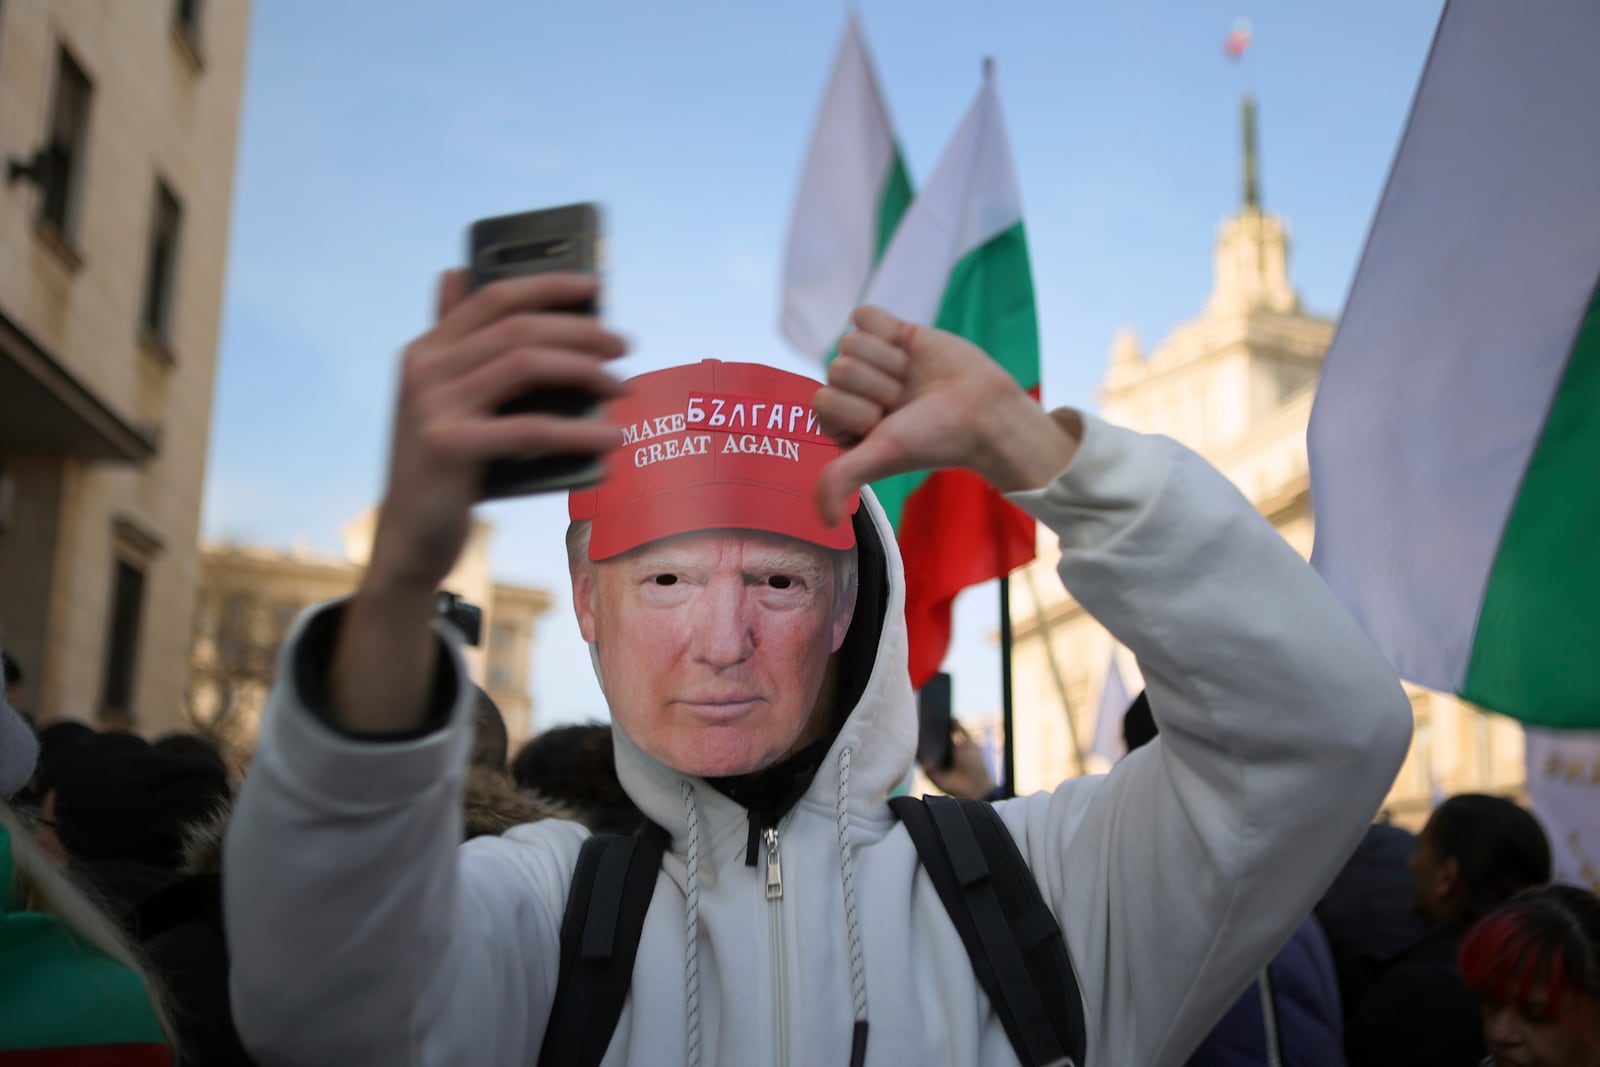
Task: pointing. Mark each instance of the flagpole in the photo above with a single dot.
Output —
(1042, 621)
(1005, 688)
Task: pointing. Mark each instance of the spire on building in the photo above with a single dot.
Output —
(1252, 177)
(1252, 255)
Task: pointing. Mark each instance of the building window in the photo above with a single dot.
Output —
(500, 637)
(161, 265)
(186, 16)
(498, 678)
(122, 646)
(283, 615)
(234, 635)
(64, 156)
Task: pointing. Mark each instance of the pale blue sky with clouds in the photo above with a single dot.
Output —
(374, 131)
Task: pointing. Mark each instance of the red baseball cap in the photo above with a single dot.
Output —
(712, 446)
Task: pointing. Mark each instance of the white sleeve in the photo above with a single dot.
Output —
(360, 930)
(1176, 877)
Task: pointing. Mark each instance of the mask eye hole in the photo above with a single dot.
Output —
(780, 581)
(665, 579)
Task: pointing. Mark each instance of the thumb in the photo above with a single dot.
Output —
(452, 290)
(873, 458)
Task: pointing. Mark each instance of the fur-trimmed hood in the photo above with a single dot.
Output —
(491, 804)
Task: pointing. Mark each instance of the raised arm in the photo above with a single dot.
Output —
(358, 931)
(1182, 872)
(1178, 876)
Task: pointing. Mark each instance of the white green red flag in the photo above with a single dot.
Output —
(852, 195)
(1455, 441)
(959, 261)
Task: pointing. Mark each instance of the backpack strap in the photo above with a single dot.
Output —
(606, 905)
(1021, 961)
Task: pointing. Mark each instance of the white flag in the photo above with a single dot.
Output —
(852, 194)
(1454, 445)
(1108, 743)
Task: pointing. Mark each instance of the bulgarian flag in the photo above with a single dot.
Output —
(63, 1003)
(1455, 442)
(959, 261)
(852, 195)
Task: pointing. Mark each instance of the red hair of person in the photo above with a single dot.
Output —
(1547, 937)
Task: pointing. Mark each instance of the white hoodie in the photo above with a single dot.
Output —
(362, 934)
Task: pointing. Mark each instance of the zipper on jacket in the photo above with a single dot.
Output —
(780, 996)
(1269, 1019)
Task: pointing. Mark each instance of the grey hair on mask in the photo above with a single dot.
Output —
(846, 563)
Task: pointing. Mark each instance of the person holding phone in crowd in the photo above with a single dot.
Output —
(742, 598)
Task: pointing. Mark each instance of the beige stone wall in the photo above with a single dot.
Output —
(507, 641)
(155, 113)
(247, 597)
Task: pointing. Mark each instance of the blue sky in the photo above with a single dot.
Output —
(374, 132)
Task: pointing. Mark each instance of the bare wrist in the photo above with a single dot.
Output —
(396, 594)
(384, 658)
(1028, 446)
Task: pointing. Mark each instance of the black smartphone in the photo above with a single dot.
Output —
(464, 616)
(935, 745)
(553, 239)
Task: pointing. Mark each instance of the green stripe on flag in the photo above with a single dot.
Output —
(892, 203)
(1535, 654)
(988, 299)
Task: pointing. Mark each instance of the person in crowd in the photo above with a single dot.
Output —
(492, 803)
(968, 774)
(1534, 963)
(1475, 853)
(71, 986)
(122, 808)
(19, 750)
(490, 744)
(576, 766)
(125, 811)
(1367, 912)
(746, 620)
(56, 739)
(1138, 724)
(196, 747)
(16, 691)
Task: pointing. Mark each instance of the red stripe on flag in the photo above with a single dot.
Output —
(141, 1054)
(956, 531)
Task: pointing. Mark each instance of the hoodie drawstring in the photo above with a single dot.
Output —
(691, 961)
(858, 967)
(852, 918)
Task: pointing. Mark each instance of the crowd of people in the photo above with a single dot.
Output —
(389, 884)
(111, 874)
(1443, 948)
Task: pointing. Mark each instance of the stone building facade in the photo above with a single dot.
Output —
(118, 124)
(1236, 384)
(248, 597)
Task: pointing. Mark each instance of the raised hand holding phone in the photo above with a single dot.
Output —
(561, 240)
(501, 341)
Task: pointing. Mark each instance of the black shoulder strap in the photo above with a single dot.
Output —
(611, 890)
(1017, 951)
